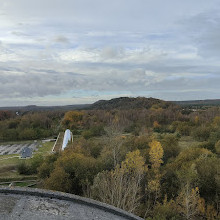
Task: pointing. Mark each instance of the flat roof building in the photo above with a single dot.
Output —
(26, 152)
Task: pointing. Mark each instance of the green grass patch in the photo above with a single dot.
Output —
(45, 149)
(24, 184)
(17, 177)
(9, 163)
(8, 156)
(188, 141)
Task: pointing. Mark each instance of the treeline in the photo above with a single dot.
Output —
(133, 159)
(29, 126)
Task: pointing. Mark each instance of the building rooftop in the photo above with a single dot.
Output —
(26, 152)
(25, 203)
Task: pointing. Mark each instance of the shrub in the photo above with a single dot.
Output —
(201, 133)
(23, 168)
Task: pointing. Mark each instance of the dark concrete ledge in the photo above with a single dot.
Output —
(93, 205)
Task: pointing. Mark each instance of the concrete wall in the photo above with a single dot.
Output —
(45, 204)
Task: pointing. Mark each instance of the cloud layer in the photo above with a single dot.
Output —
(68, 52)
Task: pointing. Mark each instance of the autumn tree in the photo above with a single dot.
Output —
(73, 119)
(196, 119)
(156, 155)
(165, 210)
(79, 171)
(217, 147)
(188, 202)
(216, 121)
(113, 141)
(59, 180)
(5, 115)
(156, 126)
(121, 187)
(47, 166)
(170, 146)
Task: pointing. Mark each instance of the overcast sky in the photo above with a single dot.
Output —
(58, 52)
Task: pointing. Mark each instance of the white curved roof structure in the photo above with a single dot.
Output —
(67, 137)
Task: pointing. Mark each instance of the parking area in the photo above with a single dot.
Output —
(16, 148)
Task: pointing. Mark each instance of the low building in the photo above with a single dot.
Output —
(26, 153)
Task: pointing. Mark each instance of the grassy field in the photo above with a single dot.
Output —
(8, 163)
(187, 141)
(10, 160)
(45, 149)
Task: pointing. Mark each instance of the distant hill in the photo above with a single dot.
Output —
(118, 103)
(44, 108)
(129, 103)
(199, 103)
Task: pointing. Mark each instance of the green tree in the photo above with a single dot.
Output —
(217, 147)
(170, 147)
(59, 180)
(79, 170)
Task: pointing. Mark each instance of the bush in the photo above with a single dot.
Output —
(23, 168)
(184, 128)
(201, 133)
(93, 132)
(47, 166)
(208, 145)
(35, 162)
(217, 147)
(30, 167)
(170, 146)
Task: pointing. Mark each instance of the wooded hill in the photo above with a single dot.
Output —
(124, 103)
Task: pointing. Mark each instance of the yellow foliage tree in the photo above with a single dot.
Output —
(216, 121)
(197, 119)
(134, 162)
(156, 154)
(73, 119)
(156, 124)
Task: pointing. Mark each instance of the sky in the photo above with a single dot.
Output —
(63, 52)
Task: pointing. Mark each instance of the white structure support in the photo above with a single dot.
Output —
(55, 142)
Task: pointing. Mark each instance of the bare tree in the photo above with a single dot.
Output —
(188, 202)
(121, 186)
(114, 141)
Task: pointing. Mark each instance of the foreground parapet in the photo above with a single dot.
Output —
(26, 204)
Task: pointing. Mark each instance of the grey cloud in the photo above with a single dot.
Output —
(112, 53)
(132, 15)
(204, 31)
(61, 39)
